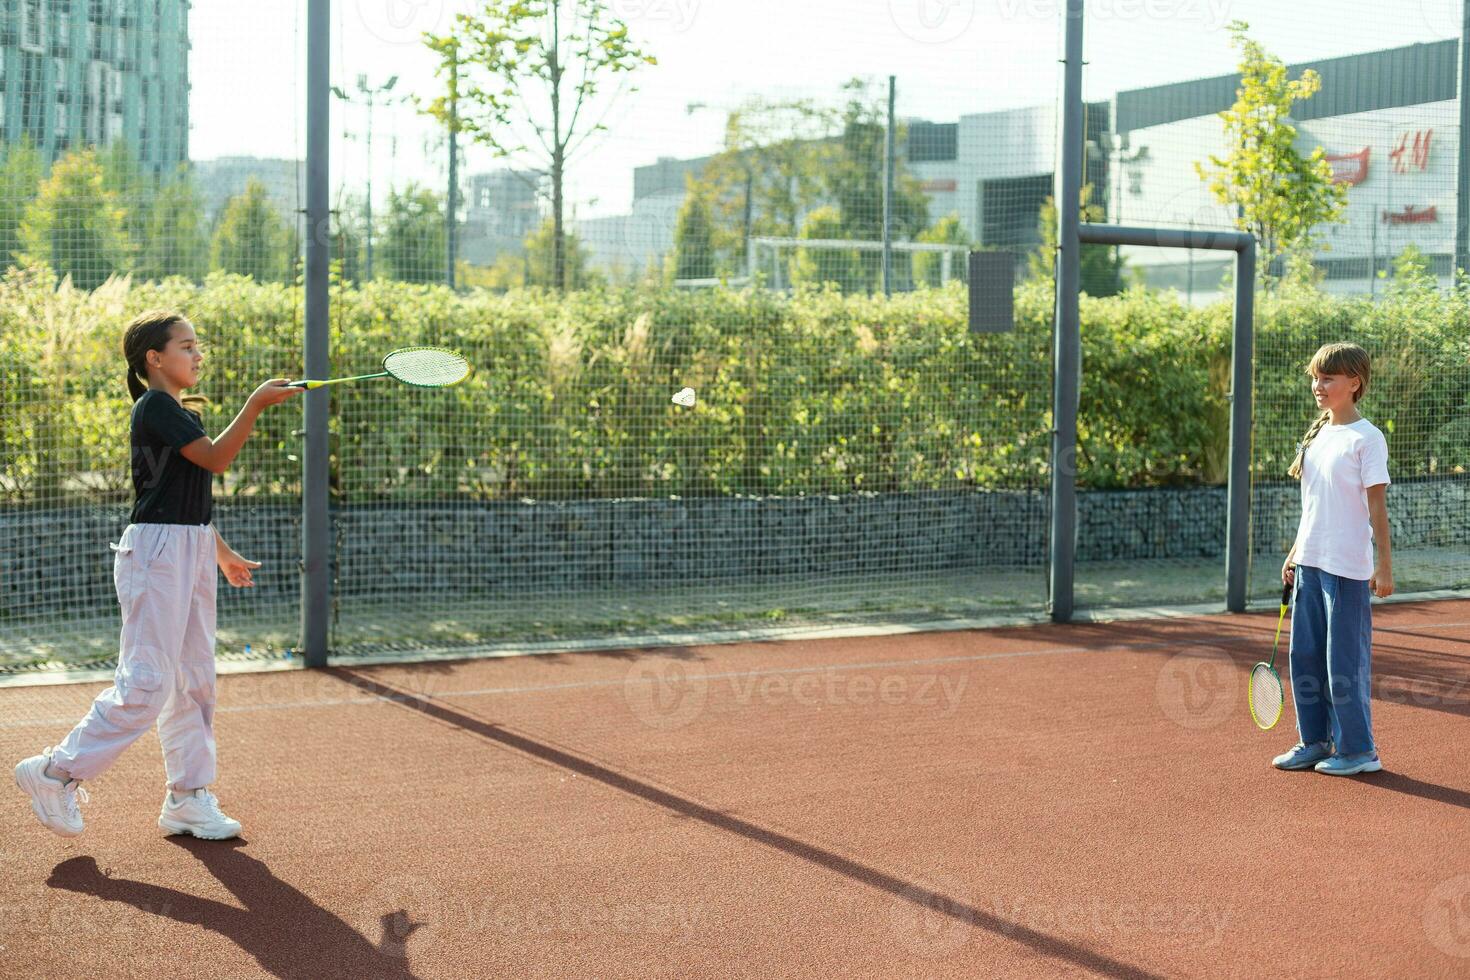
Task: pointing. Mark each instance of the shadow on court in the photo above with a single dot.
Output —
(287, 934)
(926, 899)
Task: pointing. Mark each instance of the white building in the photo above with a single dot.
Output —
(1388, 122)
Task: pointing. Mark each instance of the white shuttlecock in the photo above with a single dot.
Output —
(685, 397)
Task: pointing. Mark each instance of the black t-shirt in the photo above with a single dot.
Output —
(170, 488)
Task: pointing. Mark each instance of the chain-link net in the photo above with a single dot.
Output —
(848, 457)
(1365, 99)
(681, 194)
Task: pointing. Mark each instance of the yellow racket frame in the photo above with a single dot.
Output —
(1250, 693)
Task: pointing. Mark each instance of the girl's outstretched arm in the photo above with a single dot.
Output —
(218, 453)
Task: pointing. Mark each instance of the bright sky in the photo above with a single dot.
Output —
(951, 57)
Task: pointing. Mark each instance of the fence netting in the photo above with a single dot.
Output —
(678, 195)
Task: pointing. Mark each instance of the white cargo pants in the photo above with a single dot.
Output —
(165, 577)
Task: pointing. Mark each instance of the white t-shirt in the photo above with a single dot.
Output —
(1339, 466)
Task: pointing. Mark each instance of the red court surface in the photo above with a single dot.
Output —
(1040, 801)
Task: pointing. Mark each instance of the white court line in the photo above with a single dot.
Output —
(620, 682)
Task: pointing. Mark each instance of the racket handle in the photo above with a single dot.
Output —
(1286, 595)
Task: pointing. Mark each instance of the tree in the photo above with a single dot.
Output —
(770, 172)
(784, 158)
(251, 239)
(21, 173)
(75, 224)
(694, 255)
(536, 64)
(1101, 272)
(412, 246)
(1278, 194)
(929, 266)
(855, 178)
(176, 242)
(124, 178)
(542, 256)
(349, 238)
(823, 265)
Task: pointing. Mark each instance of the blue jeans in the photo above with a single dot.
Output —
(1331, 642)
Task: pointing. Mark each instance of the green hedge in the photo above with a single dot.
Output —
(812, 393)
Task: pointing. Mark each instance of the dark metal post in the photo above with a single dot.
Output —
(888, 161)
(1238, 512)
(1242, 356)
(1462, 175)
(1067, 345)
(315, 520)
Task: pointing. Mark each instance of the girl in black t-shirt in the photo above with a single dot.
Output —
(164, 571)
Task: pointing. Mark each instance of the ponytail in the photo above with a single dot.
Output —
(147, 331)
(136, 387)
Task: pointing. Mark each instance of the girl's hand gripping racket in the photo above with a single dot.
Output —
(422, 367)
(1266, 696)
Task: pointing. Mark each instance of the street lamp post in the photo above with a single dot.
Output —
(368, 96)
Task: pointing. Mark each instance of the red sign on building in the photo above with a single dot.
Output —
(938, 186)
(1411, 215)
(1412, 156)
(1349, 168)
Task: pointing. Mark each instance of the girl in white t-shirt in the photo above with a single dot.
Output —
(1342, 464)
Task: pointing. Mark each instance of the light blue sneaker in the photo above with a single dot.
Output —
(1303, 756)
(1350, 765)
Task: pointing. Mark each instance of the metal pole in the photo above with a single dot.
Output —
(451, 207)
(315, 519)
(1462, 175)
(1238, 508)
(1242, 355)
(1067, 344)
(888, 162)
(370, 186)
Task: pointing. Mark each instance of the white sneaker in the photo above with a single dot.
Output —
(54, 800)
(196, 813)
